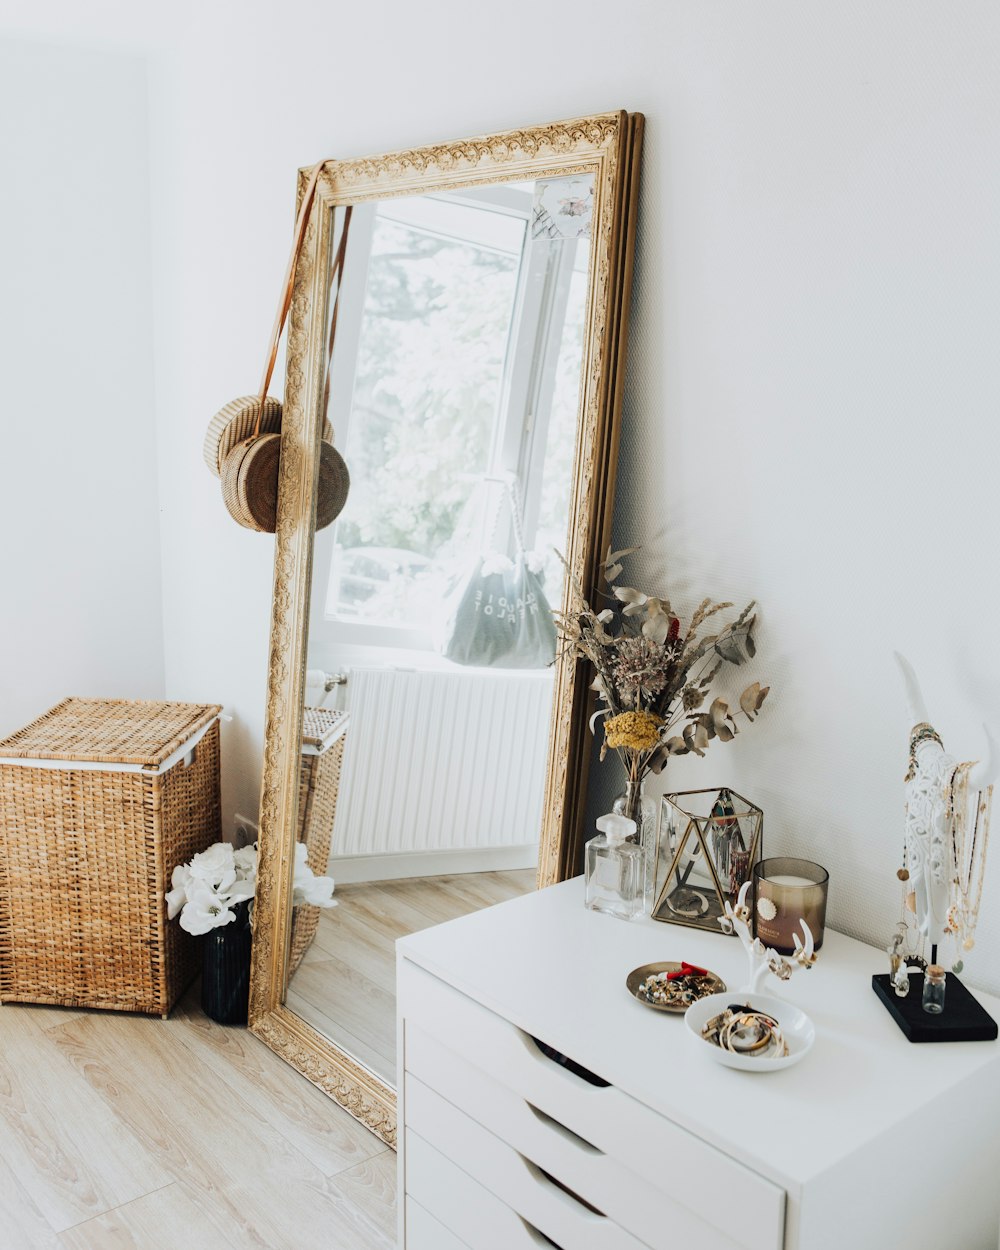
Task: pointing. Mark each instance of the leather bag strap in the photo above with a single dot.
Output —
(286, 295)
(336, 275)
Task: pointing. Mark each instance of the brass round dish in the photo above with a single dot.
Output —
(713, 984)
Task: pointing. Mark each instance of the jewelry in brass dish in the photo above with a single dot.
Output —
(672, 986)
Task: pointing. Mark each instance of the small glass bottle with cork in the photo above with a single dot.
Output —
(932, 999)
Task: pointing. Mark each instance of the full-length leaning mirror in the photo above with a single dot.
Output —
(426, 738)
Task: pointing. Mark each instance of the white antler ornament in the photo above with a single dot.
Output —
(762, 958)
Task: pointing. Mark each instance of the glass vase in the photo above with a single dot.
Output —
(638, 807)
(225, 980)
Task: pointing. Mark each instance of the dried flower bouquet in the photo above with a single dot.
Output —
(653, 676)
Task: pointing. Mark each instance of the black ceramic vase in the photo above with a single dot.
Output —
(225, 981)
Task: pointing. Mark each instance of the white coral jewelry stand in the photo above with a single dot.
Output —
(931, 855)
(502, 1147)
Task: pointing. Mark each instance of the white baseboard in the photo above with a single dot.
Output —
(352, 869)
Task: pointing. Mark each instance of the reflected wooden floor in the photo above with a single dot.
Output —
(346, 984)
(122, 1132)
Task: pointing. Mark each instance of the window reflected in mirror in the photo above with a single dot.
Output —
(469, 310)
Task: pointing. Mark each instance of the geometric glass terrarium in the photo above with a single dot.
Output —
(708, 843)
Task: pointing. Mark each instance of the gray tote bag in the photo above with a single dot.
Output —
(502, 618)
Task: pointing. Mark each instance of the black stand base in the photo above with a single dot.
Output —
(964, 1019)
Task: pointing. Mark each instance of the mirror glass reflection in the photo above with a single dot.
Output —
(454, 393)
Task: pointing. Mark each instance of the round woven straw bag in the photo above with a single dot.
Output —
(236, 422)
(250, 482)
(243, 442)
(332, 487)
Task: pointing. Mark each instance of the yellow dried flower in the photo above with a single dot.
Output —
(639, 731)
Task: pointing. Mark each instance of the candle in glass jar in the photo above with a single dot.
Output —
(786, 891)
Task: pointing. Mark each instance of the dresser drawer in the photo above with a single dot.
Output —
(462, 1206)
(605, 1182)
(567, 1218)
(424, 1232)
(733, 1200)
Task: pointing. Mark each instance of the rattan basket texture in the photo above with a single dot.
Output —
(323, 731)
(99, 801)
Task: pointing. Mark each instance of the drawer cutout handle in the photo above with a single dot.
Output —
(574, 1139)
(563, 1192)
(537, 1236)
(569, 1065)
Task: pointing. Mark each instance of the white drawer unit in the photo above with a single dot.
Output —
(424, 1232)
(541, 1106)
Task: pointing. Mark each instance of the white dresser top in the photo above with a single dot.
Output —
(552, 967)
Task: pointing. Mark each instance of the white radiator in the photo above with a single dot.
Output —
(442, 761)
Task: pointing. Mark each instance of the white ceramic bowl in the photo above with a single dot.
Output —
(799, 1031)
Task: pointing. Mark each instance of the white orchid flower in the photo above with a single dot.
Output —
(180, 878)
(241, 889)
(314, 891)
(205, 910)
(216, 866)
(175, 901)
(245, 862)
(306, 886)
(176, 898)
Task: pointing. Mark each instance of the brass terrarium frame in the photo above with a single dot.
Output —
(694, 826)
(606, 147)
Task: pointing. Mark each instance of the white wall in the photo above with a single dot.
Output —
(813, 383)
(813, 386)
(80, 607)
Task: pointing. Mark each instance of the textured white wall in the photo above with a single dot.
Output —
(80, 609)
(813, 381)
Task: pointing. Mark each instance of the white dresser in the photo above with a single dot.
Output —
(870, 1143)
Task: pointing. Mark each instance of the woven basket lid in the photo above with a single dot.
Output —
(112, 731)
(321, 727)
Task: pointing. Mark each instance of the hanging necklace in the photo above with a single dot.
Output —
(909, 939)
(918, 734)
(908, 943)
(968, 858)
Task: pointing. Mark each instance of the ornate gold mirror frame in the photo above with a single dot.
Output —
(607, 147)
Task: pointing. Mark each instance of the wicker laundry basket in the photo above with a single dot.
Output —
(323, 739)
(99, 801)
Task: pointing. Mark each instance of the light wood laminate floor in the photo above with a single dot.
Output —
(123, 1132)
(346, 984)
